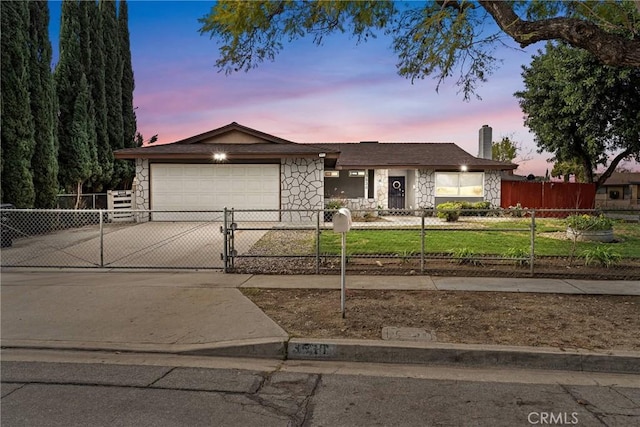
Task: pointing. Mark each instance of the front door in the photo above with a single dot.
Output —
(396, 192)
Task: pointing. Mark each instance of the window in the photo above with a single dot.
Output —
(331, 174)
(459, 184)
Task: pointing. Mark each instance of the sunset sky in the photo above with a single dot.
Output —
(338, 92)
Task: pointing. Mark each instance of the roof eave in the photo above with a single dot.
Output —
(205, 156)
(470, 168)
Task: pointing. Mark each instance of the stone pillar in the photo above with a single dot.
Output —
(141, 195)
(425, 188)
(381, 178)
(301, 187)
(492, 190)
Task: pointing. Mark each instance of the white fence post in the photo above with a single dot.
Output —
(120, 205)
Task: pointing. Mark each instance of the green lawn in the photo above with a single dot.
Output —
(479, 242)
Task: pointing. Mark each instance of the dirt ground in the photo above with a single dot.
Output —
(545, 320)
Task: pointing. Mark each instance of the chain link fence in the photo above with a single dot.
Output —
(515, 242)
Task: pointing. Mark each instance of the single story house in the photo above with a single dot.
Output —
(242, 168)
(620, 190)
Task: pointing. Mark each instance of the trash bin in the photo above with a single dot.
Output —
(6, 230)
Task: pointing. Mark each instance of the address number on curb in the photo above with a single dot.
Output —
(313, 350)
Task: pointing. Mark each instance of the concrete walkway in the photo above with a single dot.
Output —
(205, 313)
(478, 284)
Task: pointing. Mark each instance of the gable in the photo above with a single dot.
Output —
(234, 137)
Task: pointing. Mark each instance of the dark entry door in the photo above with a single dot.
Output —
(396, 192)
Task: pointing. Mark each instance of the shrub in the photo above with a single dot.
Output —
(406, 256)
(520, 255)
(465, 256)
(450, 211)
(589, 222)
(602, 255)
(516, 211)
(475, 209)
(334, 204)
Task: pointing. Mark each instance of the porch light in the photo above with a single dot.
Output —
(219, 157)
(463, 168)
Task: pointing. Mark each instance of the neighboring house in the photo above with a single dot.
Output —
(621, 190)
(238, 167)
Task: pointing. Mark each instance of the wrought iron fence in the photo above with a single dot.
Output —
(87, 201)
(489, 242)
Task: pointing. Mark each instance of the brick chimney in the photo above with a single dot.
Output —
(484, 143)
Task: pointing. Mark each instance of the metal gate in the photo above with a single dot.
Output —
(228, 228)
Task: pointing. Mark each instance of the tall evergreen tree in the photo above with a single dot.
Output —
(43, 106)
(86, 53)
(77, 152)
(113, 85)
(96, 79)
(17, 133)
(67, 78)
(128, 85)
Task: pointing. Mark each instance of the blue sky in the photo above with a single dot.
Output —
(337, 92)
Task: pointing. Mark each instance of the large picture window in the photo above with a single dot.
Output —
(459, 184)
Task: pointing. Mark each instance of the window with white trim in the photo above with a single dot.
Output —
(459, 184)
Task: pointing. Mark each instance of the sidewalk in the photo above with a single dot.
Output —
(205, 313)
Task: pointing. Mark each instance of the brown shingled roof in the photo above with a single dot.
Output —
(238, 151)
(366, 155)
(234, 126)
(195, 147)
(623, 178)
(413, 155)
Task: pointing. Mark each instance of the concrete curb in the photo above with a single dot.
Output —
(269, 348)
(374, 351)
(462, 354)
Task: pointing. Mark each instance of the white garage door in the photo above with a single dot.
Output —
(195, 187)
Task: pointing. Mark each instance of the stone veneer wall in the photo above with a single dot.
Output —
(141, 188)
(492, 183)
(301, 187)
(425, 188)
(381, 178)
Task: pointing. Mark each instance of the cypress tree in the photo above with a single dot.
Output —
(86, 54)
(113, 85)
(43, 106)
(77, 152)
(68, 73)
(96, 79)
(128, 86)
(17, 131)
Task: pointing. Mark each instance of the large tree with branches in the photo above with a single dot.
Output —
(583, 112)
(431, 38)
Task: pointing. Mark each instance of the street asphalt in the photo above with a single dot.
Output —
(204, 313)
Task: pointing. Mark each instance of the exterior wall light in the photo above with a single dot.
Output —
(463, 168)
(219, 157)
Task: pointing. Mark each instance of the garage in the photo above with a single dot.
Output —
(207, 187)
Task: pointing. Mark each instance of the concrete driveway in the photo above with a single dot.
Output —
(175, 312)
(192, 245)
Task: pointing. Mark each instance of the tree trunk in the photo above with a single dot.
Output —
(78, 195)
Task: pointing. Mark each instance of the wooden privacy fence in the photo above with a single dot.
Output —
(548, 195)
